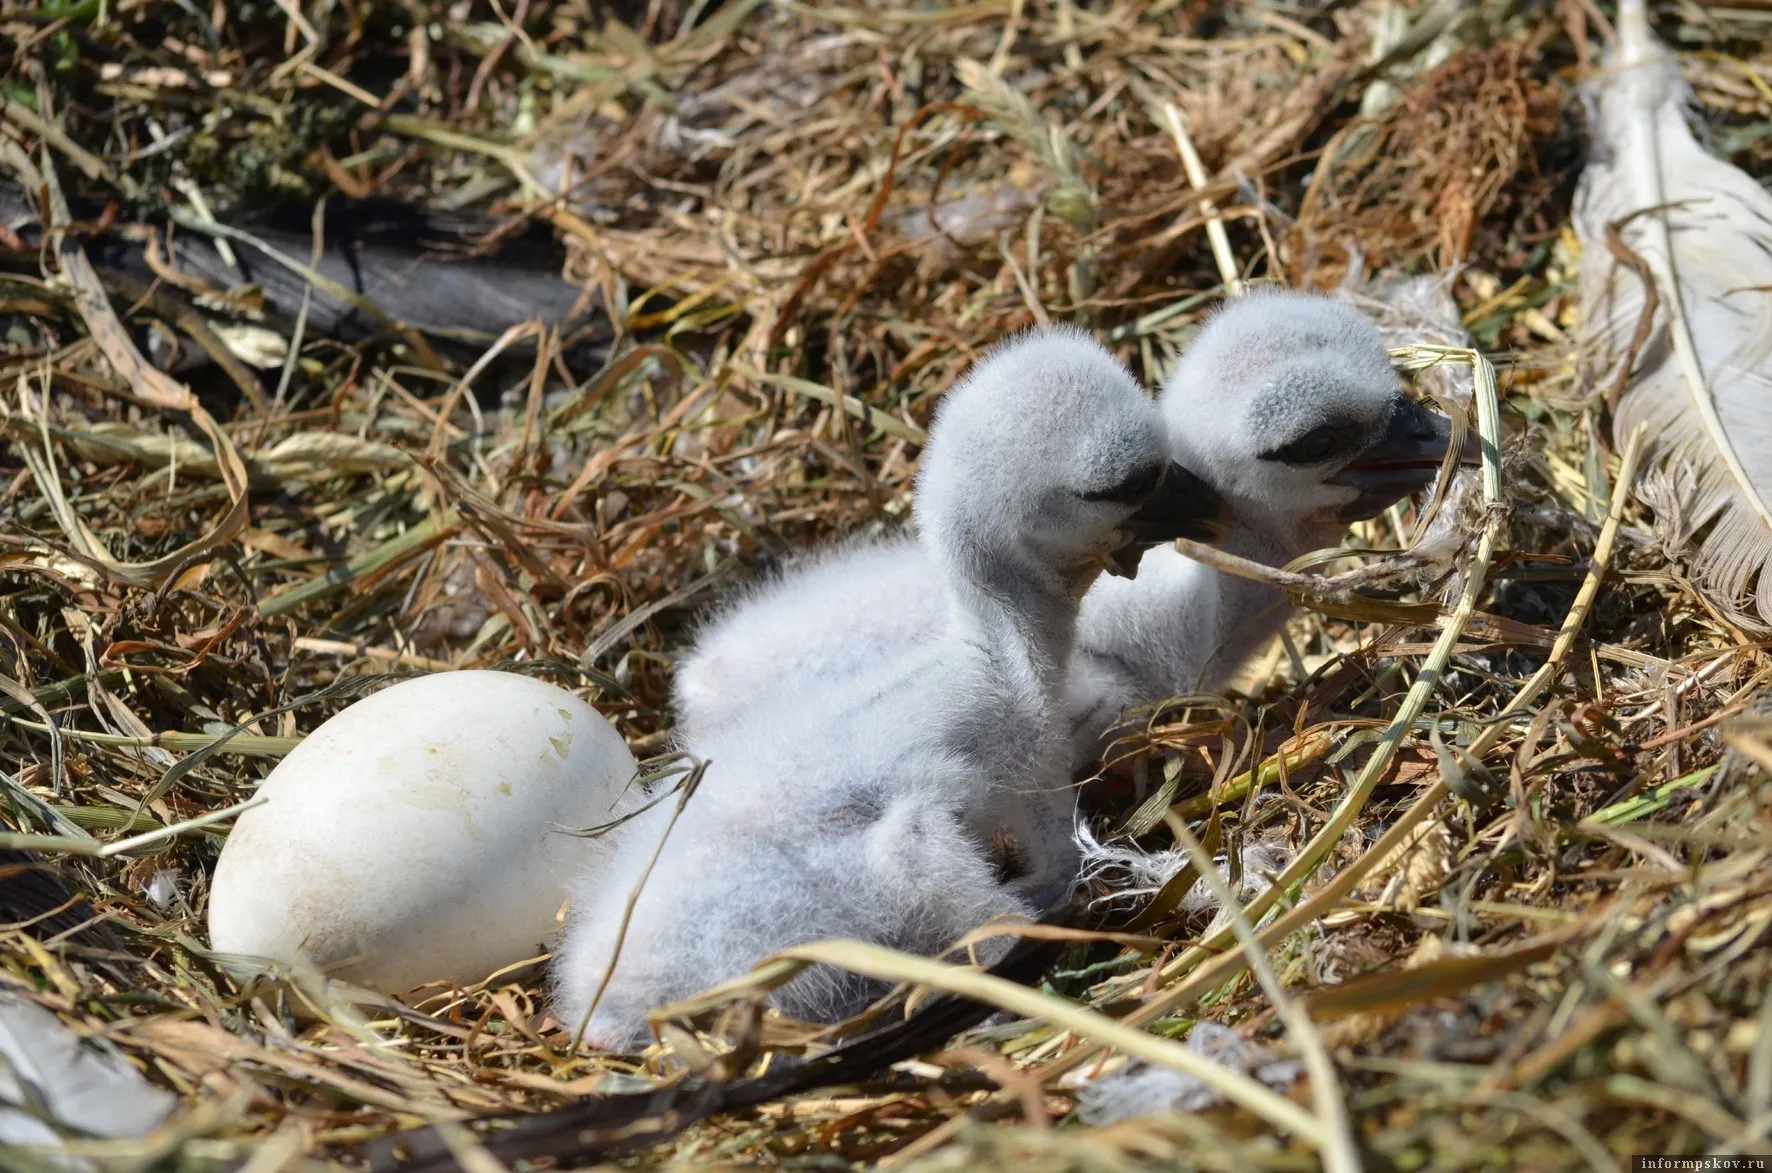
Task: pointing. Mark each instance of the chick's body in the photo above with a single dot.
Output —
(904, 775)
(861, 809)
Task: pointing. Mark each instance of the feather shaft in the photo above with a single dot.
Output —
(1676, 285)
(1640, 50)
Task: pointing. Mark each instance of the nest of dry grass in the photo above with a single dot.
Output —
(798, 225)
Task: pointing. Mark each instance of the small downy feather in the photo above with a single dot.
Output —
(1699, 379)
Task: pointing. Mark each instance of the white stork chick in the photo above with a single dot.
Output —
(915, 797)
(1286, 403)
(830, 617)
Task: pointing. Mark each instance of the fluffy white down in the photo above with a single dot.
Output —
(1262, 371)
(1141, 1089)
(832, 618)
(902, 791)
(1274, 361)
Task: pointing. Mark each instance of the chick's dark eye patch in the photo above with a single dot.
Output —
(1315, 446)
(1130, 490)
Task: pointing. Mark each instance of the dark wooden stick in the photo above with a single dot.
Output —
(610, 1126)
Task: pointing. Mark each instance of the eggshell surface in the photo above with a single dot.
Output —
(414, 835)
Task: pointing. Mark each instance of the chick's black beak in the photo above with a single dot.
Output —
(1183, 506)
(1405, 460)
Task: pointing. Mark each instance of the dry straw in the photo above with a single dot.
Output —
(800, 223)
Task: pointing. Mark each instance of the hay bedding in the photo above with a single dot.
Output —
(799, 224)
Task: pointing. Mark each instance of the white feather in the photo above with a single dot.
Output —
(1139, 1089)
(1130, 872)
(51, 1081)
(1704, 229)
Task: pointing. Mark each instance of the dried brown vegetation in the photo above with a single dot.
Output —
(797, 224)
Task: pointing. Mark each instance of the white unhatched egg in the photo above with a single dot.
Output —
(416, 837)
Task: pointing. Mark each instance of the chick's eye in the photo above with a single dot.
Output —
(1133, 488)
(1315, 445)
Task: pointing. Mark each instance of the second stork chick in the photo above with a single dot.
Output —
(1287, 404)
(911, 799)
